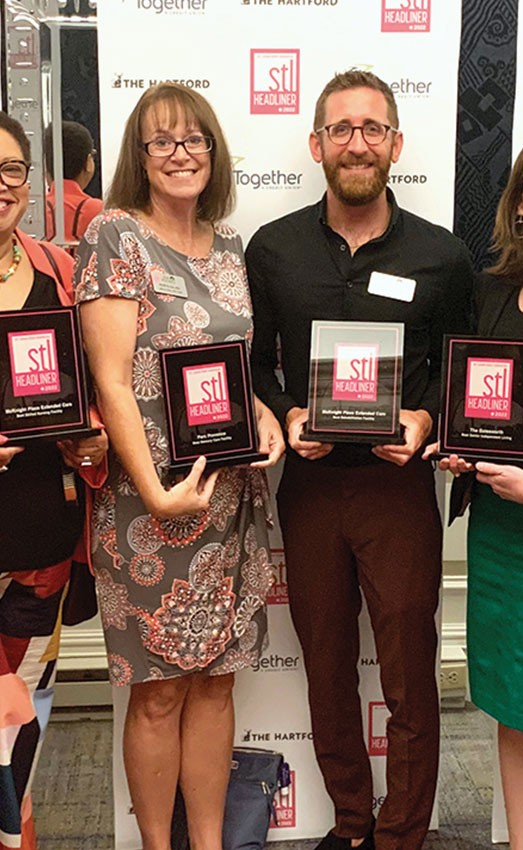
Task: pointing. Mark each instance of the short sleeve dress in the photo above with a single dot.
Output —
(186, 594)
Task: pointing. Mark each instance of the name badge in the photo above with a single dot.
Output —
(169, 284)
(392, 286)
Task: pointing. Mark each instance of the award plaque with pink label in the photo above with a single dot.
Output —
(355, 382)
(42, 375)
(209, 404)
(482, 399)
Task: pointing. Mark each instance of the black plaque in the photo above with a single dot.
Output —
(482, 399)
(355, 382)
(42, 375)
(209, 404)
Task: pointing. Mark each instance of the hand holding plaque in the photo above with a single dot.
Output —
(355, 382)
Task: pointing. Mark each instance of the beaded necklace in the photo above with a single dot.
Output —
(17, 256)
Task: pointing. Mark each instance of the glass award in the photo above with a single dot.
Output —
(209, 404)
(355, 382)
(43, 386)
(482, 399)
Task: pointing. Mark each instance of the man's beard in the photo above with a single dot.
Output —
(353, 189)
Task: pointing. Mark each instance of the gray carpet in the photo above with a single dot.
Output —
(73, 804)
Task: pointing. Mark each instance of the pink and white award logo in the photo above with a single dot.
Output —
(489, 388)
(378, 718)
(284, 811)
(405, 15)
(206, 394)
(275, 82)
(34, 362)
(355, 375)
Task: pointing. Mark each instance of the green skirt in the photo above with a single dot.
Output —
(495, 606)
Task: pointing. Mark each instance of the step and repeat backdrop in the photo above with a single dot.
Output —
(262, 65)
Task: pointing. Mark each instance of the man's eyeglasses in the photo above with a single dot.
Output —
(13, 173)
(164, 146)
(373, 132)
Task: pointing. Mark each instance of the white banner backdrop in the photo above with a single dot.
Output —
(262, 65)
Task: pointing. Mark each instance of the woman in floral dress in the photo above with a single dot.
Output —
(182, 571)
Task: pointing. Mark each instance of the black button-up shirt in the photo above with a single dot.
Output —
(300, 269)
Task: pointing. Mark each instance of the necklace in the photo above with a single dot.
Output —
(17, 256)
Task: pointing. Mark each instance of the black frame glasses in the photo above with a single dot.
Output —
(18, 176)
(187, 145)
(373, 132)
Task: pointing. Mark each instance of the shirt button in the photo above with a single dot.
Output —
(350, 284)
(343, 247)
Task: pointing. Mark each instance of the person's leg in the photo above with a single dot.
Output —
(510, 742)
(152, 755)
(396, 536)
(207, 729)
(30, 604)
(325, 602)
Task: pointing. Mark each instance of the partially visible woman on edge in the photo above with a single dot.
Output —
(495, 531)
(182, 571)
(39, 528)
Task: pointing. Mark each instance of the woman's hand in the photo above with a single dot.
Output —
(453, 463)
(271, 440)
(7, 454)
(506, 481)
(189, 496)
(89, 451)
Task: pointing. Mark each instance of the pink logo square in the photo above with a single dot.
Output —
(405, 15)
(34, 362)
(206, 394)
(275, 82)
(378, 718)
(279, 591)
(355, 374)
(285, 805)
(488, 393)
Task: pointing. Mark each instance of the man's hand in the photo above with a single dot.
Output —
(7, 454)
(418, 425)
(294, 422)
(506, 481)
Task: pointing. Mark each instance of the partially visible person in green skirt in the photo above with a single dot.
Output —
(495, 531)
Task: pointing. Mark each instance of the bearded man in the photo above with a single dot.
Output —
(359, 519)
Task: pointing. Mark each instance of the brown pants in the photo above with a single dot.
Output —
(374, 528)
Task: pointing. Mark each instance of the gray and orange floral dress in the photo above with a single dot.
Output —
(185, 594)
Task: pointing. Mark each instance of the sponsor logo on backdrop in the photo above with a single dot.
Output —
(315, 3)
(275, 663)
(378, 718)
(121, 82)
(275, 82)
(489, 388)
(369, 662)
(403, 87)
(405, 15)
(279, 592)
(274, 179)
(407, 179)
(250, 736)
(284, 812)
(34, 362)
(173, 7)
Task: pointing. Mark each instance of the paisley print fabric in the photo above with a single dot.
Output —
(186, 594)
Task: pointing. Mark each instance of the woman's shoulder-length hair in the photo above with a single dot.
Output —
(129, 189)
(507, 237)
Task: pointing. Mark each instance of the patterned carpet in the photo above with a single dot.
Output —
(73, 804)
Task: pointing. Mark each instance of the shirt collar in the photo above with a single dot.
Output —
(391, 200)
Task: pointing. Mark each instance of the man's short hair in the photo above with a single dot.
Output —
(355, 80)
(77, 144)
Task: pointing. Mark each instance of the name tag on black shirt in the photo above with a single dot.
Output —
(392, 286)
